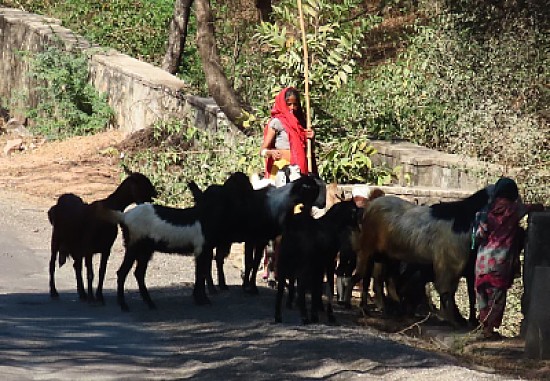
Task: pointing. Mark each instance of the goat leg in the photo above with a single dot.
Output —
(279, 300)
(90, 278)
(301, 301)
(203, 263)
(248, 264)
(77, 265)
(139, 273)
(54, 250)
(450, 311)
(291, 291)
(210, 281)
(221, 253)
(316, 300)
(122, 274)
(330, 297)
(102, 271)
(470, 283)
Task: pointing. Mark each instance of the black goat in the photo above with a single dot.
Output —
(308, 252)
(223, 215)
(79, 231)
(238, 213)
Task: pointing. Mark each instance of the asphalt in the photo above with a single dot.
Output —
(234, 338)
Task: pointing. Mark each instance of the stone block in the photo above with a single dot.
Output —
(537, 337)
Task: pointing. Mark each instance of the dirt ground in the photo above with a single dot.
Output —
(89, 167)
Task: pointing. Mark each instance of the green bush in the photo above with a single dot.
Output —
(68, 105)
(176, 152)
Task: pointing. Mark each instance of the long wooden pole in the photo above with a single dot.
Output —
(306, 80)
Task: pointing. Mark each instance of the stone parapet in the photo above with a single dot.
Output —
(418, 195)
(140, 94)
(424, 167)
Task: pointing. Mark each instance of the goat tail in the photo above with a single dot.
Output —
(109, 215)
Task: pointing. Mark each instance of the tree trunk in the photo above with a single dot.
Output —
(177, 34)
(219, 87)
(264, 6)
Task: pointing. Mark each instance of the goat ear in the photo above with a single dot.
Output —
(126, 170)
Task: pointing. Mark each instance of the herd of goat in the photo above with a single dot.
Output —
(400, 245)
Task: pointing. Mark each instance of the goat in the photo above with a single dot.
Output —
(148, 228)
(223, 216)
(308, 252)
(212, 222)
(79, 232)
(252, 216)
(266, 214)
(436, 235)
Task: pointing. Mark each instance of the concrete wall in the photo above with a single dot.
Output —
(139, 93)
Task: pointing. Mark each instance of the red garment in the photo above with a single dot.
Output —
(295, 130)
(499, 248)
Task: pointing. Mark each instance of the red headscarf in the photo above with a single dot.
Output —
(295, 130)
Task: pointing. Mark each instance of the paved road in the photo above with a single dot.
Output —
(233, 339)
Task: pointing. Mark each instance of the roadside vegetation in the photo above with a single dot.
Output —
(463, 77)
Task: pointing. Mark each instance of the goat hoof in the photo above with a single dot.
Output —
(223, 287)
(278, 319)
(124, 308)
(212, 290)
(99, 299)
(54, 295)
(252, 290)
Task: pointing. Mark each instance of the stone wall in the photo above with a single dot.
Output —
(139, 93)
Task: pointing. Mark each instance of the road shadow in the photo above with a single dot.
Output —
(233, 337)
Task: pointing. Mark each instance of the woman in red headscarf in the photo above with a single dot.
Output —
(285, 142)
(285, 136)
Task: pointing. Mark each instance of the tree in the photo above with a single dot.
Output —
(219, 87)
(177, 36)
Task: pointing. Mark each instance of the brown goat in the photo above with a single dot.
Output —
(79, 231)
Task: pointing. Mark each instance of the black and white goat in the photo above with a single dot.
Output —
(308, 253)
(79, 231)
(268, 210)
(222, 215)
(437, 235)
(148, 228)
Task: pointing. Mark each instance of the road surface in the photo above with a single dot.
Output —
(232, 339)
